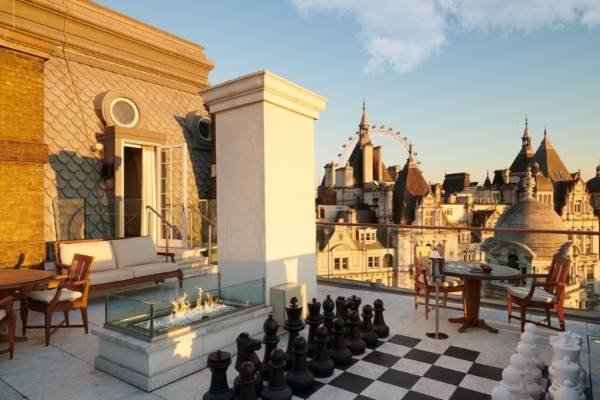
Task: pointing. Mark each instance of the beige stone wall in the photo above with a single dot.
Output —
(22, 158)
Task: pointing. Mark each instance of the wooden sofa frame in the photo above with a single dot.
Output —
(61, 268)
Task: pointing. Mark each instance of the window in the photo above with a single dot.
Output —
(378, 280)
(341, 236)
(340, 263)
(373, 262)
(448, 211)
(428, 218)
(578, 206)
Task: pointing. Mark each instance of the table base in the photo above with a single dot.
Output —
(468, 323)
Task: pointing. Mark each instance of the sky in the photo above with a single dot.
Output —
(456, 78)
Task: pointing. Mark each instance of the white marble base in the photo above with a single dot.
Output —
(149, 366)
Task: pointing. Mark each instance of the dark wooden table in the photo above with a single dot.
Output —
(22, 279)
(472, 290)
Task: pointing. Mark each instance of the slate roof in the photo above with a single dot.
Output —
(409, 186)
(549, 162)
(456, 183)
(73, 174)
(593, 185)
(524, 156)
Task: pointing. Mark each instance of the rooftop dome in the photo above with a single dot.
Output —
(532, 214)
(593, 185)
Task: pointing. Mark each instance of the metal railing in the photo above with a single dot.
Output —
(170, 225)
(211, 224)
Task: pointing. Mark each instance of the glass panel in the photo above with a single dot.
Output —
(152, 311)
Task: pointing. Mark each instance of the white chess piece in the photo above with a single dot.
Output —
(501, 393)
(566, 392)
(562, 347)
(511, 380)
(525, 350)
(577, 339)
(566, 371)
(531, 339)
(518, 362)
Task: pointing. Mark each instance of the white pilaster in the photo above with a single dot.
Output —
(265, 180)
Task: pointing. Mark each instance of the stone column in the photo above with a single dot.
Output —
(265, 180)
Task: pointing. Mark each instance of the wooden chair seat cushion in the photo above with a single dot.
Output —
(450, 282)
(539, 295)
(104, 258)
(46, 296)
(99, 278)
(152, 269)
(2, 313)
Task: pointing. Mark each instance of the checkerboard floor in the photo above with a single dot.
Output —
(399, 368)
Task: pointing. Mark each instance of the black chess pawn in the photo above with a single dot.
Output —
(218, 362)
(321, 365)
(246, 379)
(293, 324)
(339, 353)
(379, 326)
(328, 316)
(300, 379)
(366, 328)
(270, 341)
(246, 348)
(350, 307)
(277, 389)
(314, 320)
(353, 341)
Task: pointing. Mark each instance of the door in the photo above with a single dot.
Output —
(172, 190)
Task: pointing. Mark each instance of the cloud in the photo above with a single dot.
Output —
(405, 33)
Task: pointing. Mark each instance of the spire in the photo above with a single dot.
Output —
(526, 136)
(364, 123)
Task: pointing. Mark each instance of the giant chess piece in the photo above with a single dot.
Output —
(501, 393)
(566, 392)
(356, 302)
(525, 350)
(293, 324)
(246, 351)
(577, 339)
(270, 341)
(562, 346)
(277, 388)
(532, 329)
(341, 308)
(339, 353)
(353, 341)
(321, 365)
(328, 316)
(314, 320)
(218, 362)
(511, 380)
(300, 379)
(366, 328)
(379, 326)
(533, 388)
(518, 363)
(566, 371)
(246, 379)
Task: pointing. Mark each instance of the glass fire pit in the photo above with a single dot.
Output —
(152, 312)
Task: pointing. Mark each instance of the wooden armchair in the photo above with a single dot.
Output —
(8, 320)
(66, 293)
(452, 285)
(548, 294)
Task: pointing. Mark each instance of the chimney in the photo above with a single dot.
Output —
(367, 164)
(377, 163)
(394, 171)
(330, 174)
(344, 176)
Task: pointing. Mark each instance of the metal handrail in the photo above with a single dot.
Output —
(170, 225)
(210, 225)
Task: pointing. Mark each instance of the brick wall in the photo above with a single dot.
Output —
(22, 157)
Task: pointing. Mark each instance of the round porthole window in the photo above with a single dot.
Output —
(204, 128)
(124, 112)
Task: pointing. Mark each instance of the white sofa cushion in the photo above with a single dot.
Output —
(2, 313)
(151, 269)
(538, 295)
(46, 296)
(134, 251)
(114, 275)
(450, 282)
(102, 252)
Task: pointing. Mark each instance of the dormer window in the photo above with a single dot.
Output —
(367, 235)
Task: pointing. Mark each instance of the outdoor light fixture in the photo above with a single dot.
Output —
(97, 147)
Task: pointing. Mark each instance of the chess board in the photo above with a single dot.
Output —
(397, 368)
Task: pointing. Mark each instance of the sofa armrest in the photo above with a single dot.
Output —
(163, 253)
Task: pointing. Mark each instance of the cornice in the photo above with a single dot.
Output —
(263, 86)
(88, 32)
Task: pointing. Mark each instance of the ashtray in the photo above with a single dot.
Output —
(486, 268)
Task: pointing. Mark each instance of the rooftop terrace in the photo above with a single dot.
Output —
(407, 366)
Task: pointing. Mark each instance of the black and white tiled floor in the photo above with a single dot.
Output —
(399, 368)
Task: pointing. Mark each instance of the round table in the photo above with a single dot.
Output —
(22, 279)
(472, 290)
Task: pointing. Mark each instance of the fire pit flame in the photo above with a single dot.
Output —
(183, 313)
